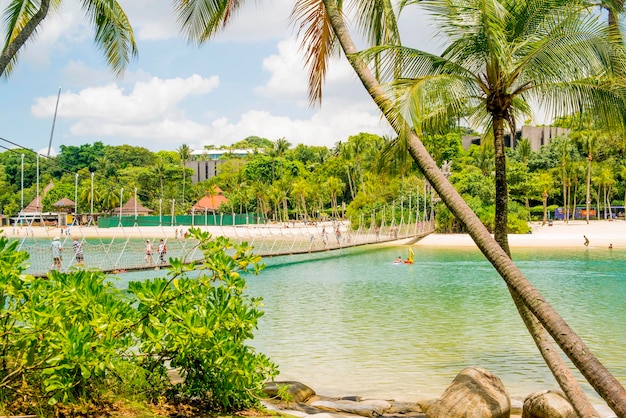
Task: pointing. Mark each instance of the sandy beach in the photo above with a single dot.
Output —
(560, 234)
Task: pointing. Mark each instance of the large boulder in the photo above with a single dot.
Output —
(474, 393)
(548, 404)
(295, 391)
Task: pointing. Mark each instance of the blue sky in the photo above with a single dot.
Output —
(247, 81)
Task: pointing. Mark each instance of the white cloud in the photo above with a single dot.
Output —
(151, 114)
(152, 100)
(288, 79)
(335, 121)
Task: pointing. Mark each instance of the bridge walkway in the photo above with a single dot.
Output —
(123, 249)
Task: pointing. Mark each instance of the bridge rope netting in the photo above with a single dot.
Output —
(123, 248)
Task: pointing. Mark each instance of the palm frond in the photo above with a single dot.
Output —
(603, 97)
(318, 41)
(377, 21)
(201, 19)
(114, 34)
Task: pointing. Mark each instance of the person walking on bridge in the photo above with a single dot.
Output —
(162, 250)
(56, 248)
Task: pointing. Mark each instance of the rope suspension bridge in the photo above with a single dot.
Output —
(115, 250)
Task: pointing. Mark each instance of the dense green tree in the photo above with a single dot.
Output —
(252, 142)
(184, 153)
(129, 156)
(73, 158)
(498, 59)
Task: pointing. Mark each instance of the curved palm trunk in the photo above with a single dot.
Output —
(502, 195)
(596, 374)
(9, 52)
(566, 380)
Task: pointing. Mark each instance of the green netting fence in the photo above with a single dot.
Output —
(219, 219)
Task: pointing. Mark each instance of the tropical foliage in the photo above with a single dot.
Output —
(75, 343)
(311, 182)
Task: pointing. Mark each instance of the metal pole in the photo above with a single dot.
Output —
(160, 212)
(22, 200)
(92, 173)
(173, 203)
(54, 121)
(121, 200)
(37, 200)
(75, 199)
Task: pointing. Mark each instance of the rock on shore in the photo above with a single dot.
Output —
(474, 393)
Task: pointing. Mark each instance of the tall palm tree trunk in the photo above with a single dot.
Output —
(596, 374)
(350, 182)
(502, 196)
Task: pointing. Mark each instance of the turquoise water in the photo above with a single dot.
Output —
(357, 324)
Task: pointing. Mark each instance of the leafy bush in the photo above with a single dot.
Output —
(200, 326)
(75, 339)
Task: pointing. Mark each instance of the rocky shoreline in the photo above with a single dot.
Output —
(474, 392)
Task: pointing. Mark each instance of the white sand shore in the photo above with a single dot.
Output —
(560, 234)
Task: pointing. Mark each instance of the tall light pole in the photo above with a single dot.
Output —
(121, 200)
(173, 207)
(22, 185)
(92, 173)
(37, 199)
(160, 212)
(75, 200)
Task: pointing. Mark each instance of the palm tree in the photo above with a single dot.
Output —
(184, 152)
(300, 191)
(327, 25)
(114, 34)
(544, 183)
(524, 151)
(606, 178)
(502, 57)
(358, 145)
(159, 170)
(335, 187)
(588, 140)
(622, 174)
(543, 315)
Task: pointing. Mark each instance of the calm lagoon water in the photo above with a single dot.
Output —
(351, 322)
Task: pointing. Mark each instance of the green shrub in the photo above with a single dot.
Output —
(73, 340)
